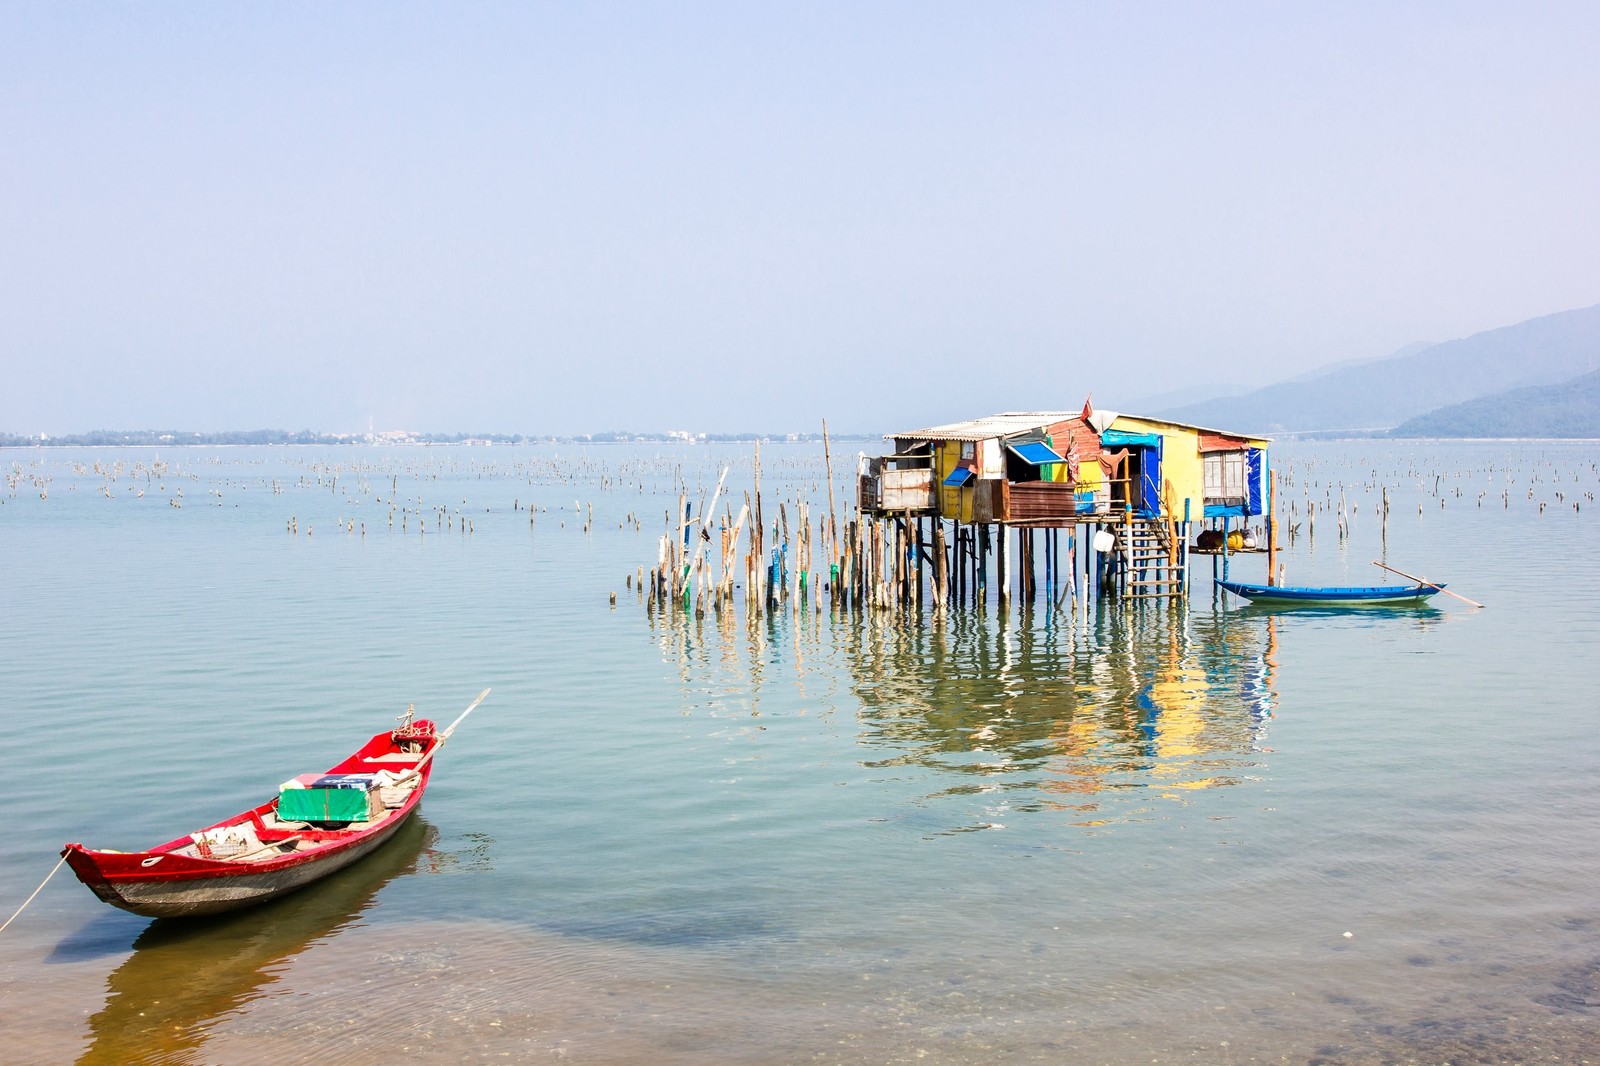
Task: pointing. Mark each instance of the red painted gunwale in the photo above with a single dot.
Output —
(105, 871)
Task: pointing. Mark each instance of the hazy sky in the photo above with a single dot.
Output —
(558, 218)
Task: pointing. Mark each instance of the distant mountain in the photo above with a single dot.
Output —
(1375, 396)
(1570, 409)
(1194, 394)
(1345, 364)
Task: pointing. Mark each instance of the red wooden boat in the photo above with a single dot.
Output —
(318, 824)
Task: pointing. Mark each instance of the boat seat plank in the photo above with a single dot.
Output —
(272, 823)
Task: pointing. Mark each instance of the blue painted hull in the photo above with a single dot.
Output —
(1351, 595)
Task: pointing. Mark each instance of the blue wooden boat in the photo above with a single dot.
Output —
(1334, 596)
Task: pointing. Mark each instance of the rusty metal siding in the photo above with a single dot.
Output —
(991, 460)
(1041, 503)
(906, 490)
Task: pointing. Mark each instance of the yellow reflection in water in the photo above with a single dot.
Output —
(1063, 710)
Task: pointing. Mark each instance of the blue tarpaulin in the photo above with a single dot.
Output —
(1253, 479)
(1036, 452)
(1116, 438)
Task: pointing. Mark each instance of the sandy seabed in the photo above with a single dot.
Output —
(446, 992)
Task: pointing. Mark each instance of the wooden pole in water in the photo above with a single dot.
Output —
(901, 564)
(830, 545)
(980, 564)
(953, 574)
(863, 563)
(758, 534)
(1002, 565)
(783, 546)
(1028, 565)
(727, 576)
(847, 566)
(704, 538)
(888, 571)
(1050, 569)
(916, 559)
(1384, 524)
(1272, 530)
(872, 564)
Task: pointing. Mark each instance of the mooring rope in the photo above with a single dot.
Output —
(36, 891)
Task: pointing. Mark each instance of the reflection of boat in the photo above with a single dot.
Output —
(1421, 610)
(317, 825)
(182, 976)
(1333, 595)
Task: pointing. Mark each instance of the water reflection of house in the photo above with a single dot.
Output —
(1114, 709)
(1148, 485)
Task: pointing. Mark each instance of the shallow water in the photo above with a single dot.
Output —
(1103, 833)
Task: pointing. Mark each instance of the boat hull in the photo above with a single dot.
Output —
(190, 877)
(194, 897)
(1333, 596)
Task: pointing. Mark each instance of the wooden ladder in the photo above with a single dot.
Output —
(1154, 565)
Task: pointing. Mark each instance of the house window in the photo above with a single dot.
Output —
(1224, 476)
(969, 449)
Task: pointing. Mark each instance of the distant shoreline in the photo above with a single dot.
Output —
(221, 440)
(416, 440)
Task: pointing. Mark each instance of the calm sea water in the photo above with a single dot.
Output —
(1096, 834)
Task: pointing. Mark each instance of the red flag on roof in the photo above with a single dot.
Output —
(1088, 407)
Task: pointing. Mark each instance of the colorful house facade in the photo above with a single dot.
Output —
(1057, 468)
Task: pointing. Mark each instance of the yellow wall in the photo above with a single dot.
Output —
(1091, 475)
(954, 502)
(1180, 462)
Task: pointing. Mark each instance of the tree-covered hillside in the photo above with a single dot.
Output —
(1570, 409)
(1377, 395)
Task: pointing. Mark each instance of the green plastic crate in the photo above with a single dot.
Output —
(323, 805)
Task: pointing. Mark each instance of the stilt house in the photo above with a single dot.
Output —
(1146, 486)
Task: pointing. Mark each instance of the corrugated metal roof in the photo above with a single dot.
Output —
(1198, 429)
(1013, 422)
(1001, 425)
(1218, 442)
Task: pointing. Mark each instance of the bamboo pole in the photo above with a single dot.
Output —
(758, 533)
(1425, 581)
(705, 530)
(426, 759)
(830, 540)
(733, 542)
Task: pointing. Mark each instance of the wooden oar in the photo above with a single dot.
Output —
(1425, 581)
(417, 769)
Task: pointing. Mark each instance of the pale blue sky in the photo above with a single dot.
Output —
(559, 218)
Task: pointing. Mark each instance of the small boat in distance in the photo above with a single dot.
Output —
(316, 825)
(1334, 596)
